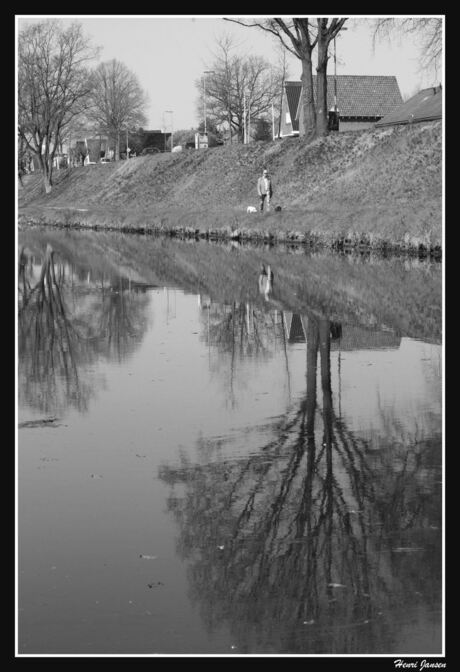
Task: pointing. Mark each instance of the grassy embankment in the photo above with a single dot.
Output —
(380, 188)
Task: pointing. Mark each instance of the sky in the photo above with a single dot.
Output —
(169, 53)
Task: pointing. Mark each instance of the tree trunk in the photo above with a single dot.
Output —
(321, 90)
(230, 124)
(308, 126)
(47, 171)
(117, 146)
(47, 182)
(312, 338)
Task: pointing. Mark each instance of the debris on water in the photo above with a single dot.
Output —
(44, 422)
(221, 548)
(155, 583)
(148, 557)
(406, 549)
(140, 455)
(336, 585)
(309, 622)
(96, 476)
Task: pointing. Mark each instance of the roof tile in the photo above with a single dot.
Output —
(357, 95)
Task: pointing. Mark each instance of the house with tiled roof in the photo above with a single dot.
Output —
(362, 100)
(426, 105)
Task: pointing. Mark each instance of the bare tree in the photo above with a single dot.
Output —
(118, 101)
(53, 86)
(428, 31)
(300, 36)
(312, 505)
(238, 86)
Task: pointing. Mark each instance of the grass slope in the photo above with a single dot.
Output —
(382, 184)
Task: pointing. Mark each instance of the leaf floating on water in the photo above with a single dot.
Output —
(148, 557)
(336, 585)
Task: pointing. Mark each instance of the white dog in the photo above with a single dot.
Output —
(251, 208)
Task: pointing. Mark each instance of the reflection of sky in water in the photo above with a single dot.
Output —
(170, 390)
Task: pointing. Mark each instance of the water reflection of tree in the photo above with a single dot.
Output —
(62, 329)
(238, 331)
(121, 322)
(298, 546)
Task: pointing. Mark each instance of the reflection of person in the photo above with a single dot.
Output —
(265, 281)
(264, 189)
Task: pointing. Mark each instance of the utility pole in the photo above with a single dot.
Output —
(249, 119)
(204, 103)
(273, 121)
(335, 77)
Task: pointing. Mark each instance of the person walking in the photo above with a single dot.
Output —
(264, 189)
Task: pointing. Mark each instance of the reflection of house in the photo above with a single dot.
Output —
(294, 327)
(361, 100)
(426, 105)
(348, 337)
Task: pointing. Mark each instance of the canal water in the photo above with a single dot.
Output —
(208, 463)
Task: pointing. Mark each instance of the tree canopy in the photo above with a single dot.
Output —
(427, 29)
(300, 36)
(53, 86)
(117, 101)
(239, 89)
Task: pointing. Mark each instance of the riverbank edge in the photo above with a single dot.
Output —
(195, 225)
